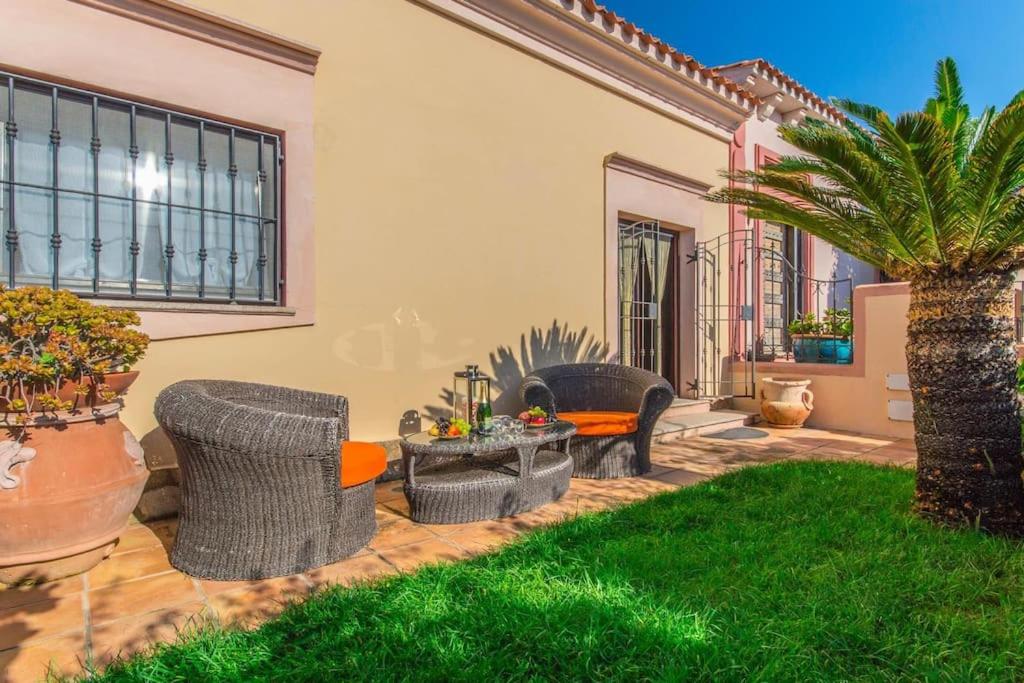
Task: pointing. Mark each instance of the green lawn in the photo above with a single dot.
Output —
(802, 571)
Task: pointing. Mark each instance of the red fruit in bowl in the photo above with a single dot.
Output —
(538, 420)
(525, 416)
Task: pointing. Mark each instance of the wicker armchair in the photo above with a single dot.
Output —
(603, 387)
(260, 490)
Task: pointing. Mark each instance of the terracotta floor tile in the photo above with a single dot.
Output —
(573, 505)
(445, 530)
(704, 466)
(165, 530)
(683, 477)
(399, 505)
(399, 533)
(130, 598)
(386, 516)
(483, 538)
(603, 494)
(542, 516)
(248, 607)
(409, 557)
(128, 566)
(125, 637)
(38, 620)
(890, 456)
(350, 570)
(389, 491)
(137, 537)
(800, 443)
(854, 443)
(287, 584)
(62, 655)
(15, 597)
(831, 453)
(656, 469)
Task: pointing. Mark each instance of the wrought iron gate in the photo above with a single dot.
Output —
(641, 268)
(746, 294)
(724, 364)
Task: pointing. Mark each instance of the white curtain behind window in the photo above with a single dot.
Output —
(76, 212)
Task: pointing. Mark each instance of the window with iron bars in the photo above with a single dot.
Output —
(119, 199)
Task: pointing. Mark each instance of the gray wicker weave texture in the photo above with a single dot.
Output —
(603, 386)
(485, 477)
(260, 493)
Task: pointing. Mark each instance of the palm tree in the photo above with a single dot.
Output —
(933, 197)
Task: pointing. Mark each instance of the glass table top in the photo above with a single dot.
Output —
(554, 431)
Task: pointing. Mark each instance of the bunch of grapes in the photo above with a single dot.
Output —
(442, 426)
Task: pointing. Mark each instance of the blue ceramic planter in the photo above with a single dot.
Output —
(805, 349)
(833, 350)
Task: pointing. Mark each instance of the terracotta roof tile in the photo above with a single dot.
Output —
(714, 74)
(664, 48)
(806, 93)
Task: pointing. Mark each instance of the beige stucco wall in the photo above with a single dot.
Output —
(459, 203)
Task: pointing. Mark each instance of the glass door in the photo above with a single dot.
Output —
(647, 301)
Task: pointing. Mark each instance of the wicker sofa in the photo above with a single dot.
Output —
(263, 490)
(614, 407)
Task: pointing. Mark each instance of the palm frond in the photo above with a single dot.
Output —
(929, 192)
(995, 171)
(947, 83)
(923, 176)
(858, 110)
(761, 206)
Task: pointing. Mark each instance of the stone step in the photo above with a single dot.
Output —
(686, 406)
(695, 406)
(687, 426)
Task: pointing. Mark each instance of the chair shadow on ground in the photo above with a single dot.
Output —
(554, 345)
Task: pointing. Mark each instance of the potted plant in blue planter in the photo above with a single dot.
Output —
(829, 340)
(836, 343)
(805, 333)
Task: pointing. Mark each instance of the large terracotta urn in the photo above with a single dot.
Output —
(67, 488)
(786, 403)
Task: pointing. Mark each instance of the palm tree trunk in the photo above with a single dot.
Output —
(962, 367)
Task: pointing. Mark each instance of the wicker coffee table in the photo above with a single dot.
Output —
(451, 481)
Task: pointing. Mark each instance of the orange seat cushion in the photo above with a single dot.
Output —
(601, 422)
(361, 462)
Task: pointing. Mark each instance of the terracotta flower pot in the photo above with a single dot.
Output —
(786, 402)
(68, 391)
(66, 492)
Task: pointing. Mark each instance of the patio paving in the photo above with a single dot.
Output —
(135, 597)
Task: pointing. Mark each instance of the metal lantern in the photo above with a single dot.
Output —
(471, 393)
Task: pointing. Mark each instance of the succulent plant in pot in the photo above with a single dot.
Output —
(836, 344)
(828, 340)
(70, 471)
(804, 333)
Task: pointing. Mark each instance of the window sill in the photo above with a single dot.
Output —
(194, 307)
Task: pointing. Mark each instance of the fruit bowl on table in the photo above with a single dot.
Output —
(443, 429)
(536, 418)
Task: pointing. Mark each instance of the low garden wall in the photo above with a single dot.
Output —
(870, 395)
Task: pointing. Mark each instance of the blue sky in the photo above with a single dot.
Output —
(878, 51)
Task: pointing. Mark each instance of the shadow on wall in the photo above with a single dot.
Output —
(555, 345)
(859, 273)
